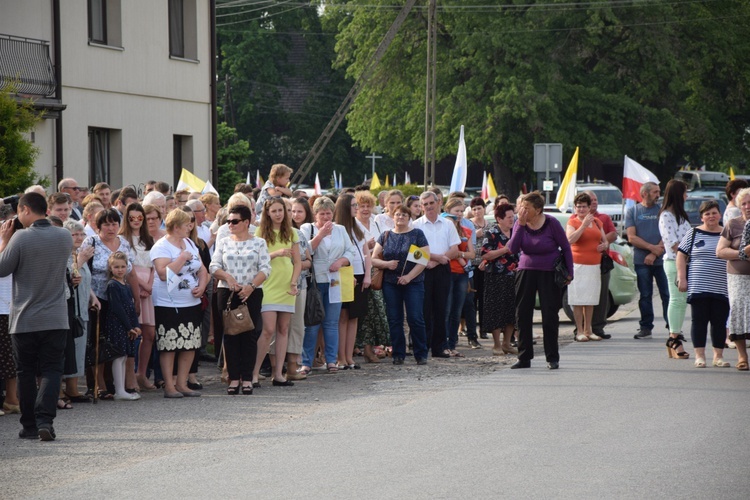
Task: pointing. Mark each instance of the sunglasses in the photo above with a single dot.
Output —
(234, 222)
(135, 218)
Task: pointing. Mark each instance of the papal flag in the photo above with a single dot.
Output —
(190, 181)
(418, 255)
(567, 191)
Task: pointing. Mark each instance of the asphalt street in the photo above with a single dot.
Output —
(617, 420)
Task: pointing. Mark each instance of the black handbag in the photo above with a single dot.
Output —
(314, 311)
(561, 271)
(607, 263)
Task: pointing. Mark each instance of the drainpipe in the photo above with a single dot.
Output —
(59, 171)
(212, 76)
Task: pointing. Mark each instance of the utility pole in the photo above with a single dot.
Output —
(372, 155)
(430, 96)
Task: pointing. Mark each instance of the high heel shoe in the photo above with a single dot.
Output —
(233, 390)
(674, 343)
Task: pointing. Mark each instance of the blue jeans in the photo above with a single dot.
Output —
(330, 331)
(456, 299)
(646, 275)
(470, 309)
(411, 295)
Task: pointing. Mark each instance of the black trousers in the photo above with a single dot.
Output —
(241, 350)
(705, 310)
(599, 318)
(437, 282)
(478, 299)
(39, 353)
(528, 284)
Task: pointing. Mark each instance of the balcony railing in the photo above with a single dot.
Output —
(25, 65)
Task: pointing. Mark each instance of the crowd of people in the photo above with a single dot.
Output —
(126, 291)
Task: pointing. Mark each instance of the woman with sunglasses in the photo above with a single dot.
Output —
(280, 289)
(241, 264)
(136, 233)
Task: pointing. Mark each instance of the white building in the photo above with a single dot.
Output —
(127, 86)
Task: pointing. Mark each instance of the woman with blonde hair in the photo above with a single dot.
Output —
(393, 200)
(280, 289)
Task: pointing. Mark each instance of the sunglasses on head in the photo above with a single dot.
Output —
(234, 221)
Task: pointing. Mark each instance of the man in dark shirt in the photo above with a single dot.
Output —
(37, 257)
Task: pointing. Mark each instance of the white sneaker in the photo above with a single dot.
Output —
(127, 397)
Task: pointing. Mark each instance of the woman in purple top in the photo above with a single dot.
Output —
(540, 238)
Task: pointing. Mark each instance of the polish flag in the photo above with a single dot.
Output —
(635, 175)
(317, 185)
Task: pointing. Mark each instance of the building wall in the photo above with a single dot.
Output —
(135, 88)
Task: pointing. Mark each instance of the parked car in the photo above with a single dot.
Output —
(623, 286)
(609, 198)
(702, 179)
(693, 204)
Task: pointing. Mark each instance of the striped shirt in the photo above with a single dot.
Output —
(707, 275)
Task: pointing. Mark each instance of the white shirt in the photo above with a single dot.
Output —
(182, 296)
(441, 234)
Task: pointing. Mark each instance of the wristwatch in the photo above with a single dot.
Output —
(253, 285)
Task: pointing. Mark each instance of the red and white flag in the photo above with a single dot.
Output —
(317, 185)
(634, 176)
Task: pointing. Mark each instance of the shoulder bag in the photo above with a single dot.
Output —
(561, 271)
(236, 320)
(376, 277)
(314, 310)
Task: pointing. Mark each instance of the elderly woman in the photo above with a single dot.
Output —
(241, 264)
(587, 242)
(105, 243)
(332, 248)
(738, 277)
(705, 284)
(541, 239)
(673, 226)
(393, 199)
(733, 210)
(499, 268)
(180, 282)
(373, 330)
(83, 299)
(403, 285)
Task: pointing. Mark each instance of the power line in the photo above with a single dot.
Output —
(263, 17)
(239, 13)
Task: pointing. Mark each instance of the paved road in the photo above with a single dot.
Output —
(618, 420)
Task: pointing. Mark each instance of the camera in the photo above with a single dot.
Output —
(12, 201)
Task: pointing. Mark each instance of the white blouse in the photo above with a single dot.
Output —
(671, 233)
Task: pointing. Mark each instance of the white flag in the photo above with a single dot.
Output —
(458, 181)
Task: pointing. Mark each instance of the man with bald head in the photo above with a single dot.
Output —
(70, 187)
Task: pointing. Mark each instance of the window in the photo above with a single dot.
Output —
(105, 156)
(183, 42)
(182, 146)
(104, 22)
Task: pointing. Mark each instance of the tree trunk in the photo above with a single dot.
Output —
(506, 181)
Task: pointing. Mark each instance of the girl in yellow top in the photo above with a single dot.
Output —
(280, 289)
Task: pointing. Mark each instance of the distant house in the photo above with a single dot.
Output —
(126, 86)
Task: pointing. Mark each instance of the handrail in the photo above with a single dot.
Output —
(25, 65)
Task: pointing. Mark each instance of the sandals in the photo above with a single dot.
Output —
(456, 354)
(64, 404)
(247, 390)
(332, 368)
(700, 363)
(720, 363)
(78, 398)
(581, 338)
(305, 370)
(107, 396)
(234, 390)
(742, 366)
(674, 343)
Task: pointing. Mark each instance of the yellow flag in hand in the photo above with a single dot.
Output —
(418, 255)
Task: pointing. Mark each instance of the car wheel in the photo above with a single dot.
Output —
(568, 310)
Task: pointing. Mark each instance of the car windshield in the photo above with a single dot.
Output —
(608, 196)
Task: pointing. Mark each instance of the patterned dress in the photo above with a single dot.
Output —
(499, 288)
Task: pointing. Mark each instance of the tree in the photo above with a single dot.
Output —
(232, 153)
(17, 153)
(663, 82)
(280, 90)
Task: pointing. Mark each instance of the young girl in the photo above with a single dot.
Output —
(280, 289)
(122, 326)
(275, 186)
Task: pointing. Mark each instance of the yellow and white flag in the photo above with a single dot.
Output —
(418, 255)
(190, 181)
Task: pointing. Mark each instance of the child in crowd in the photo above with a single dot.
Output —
(275, 186)
(122, 326)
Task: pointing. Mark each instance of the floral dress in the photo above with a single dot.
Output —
(499, 286)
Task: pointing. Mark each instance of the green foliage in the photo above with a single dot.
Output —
(17, 153)
(233, 153)
(662, 82)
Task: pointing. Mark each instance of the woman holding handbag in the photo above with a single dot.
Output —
(241, 264)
